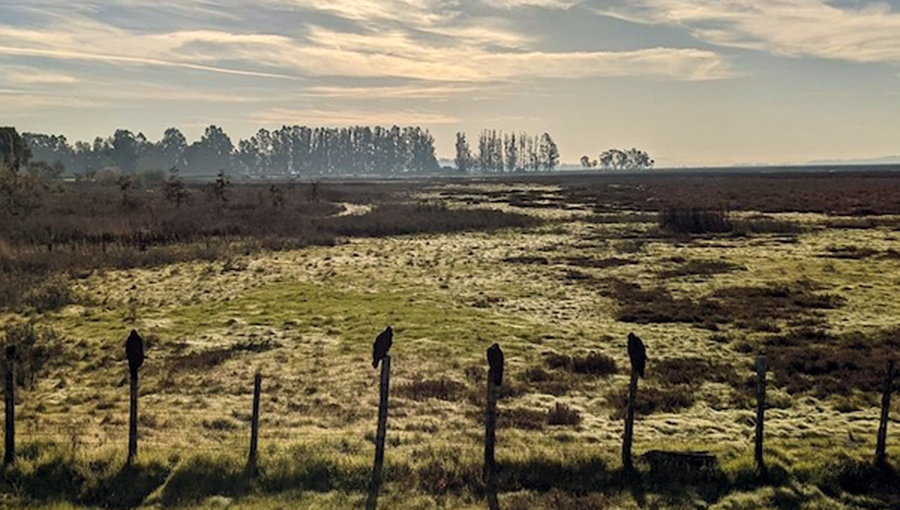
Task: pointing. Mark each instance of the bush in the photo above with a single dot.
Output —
(693, 371)
(53, 294)
(521, 418)
(681, 219)
(592, 363)
(651, 400)
(441, 389)
(563, 415)
(35, 350)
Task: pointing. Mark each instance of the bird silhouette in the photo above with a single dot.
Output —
(637, 353)
(381, 346)
(134, 351)
(495, 361)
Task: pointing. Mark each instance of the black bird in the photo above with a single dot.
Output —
(382, 345)
(637, 353)
(134, 351)
(495, 361)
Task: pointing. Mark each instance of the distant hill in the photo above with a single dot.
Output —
(883, 160)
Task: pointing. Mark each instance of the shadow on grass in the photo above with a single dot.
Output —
(571, 481)
(100, 482)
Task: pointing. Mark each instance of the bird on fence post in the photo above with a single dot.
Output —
(134, 351)
(637, 353)
(381, 346)
(495, 364)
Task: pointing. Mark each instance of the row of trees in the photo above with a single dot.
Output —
(617, 159)
(507, 152)
(291, 150)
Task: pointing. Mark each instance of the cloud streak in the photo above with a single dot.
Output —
(348, 117)
(429, 45)
(870, 33)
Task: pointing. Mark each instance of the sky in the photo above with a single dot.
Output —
(693, 82)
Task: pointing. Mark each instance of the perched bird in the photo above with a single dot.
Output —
(495, 361)
(134, 351)
(382, 345)
(637, 353)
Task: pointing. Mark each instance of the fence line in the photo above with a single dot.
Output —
(80, 429)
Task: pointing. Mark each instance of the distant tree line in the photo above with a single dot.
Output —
(506, 152)
(617, 159)
(289, 151)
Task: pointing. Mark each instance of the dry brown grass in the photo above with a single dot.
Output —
(825, 364)
(593, 363)
(699, 268)
(751, 307)
(441, 389)
(651, 399)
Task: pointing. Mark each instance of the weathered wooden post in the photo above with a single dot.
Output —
(880, 448)
(9, 455)
(381, 433)
(134, 351)
(637, 355)
(254, 425)
(761, 366)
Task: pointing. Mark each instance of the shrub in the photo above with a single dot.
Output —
(693, 371)
(36, 349)
(202, 360)
(748, 307)
(681, 219)
(521, 418)
(651, 400)
(813, 360)
(562, 414)
(543, 381)
(53, 294)
(441, 389)
(593, 363)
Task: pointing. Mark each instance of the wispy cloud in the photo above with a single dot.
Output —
(865, 32)
(30, 77)
(545, 4)
(426, 47)
(346, 117)
(408, 91)
(397, 54)
(18, 99)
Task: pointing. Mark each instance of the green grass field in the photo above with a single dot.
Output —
(574, 284)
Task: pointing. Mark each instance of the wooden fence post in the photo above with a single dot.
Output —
(9, 455)
(378, 467)
(133, 419)
(254, 424)
(761, 366)
(627, 463)
(490, 428)
(880, 449)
